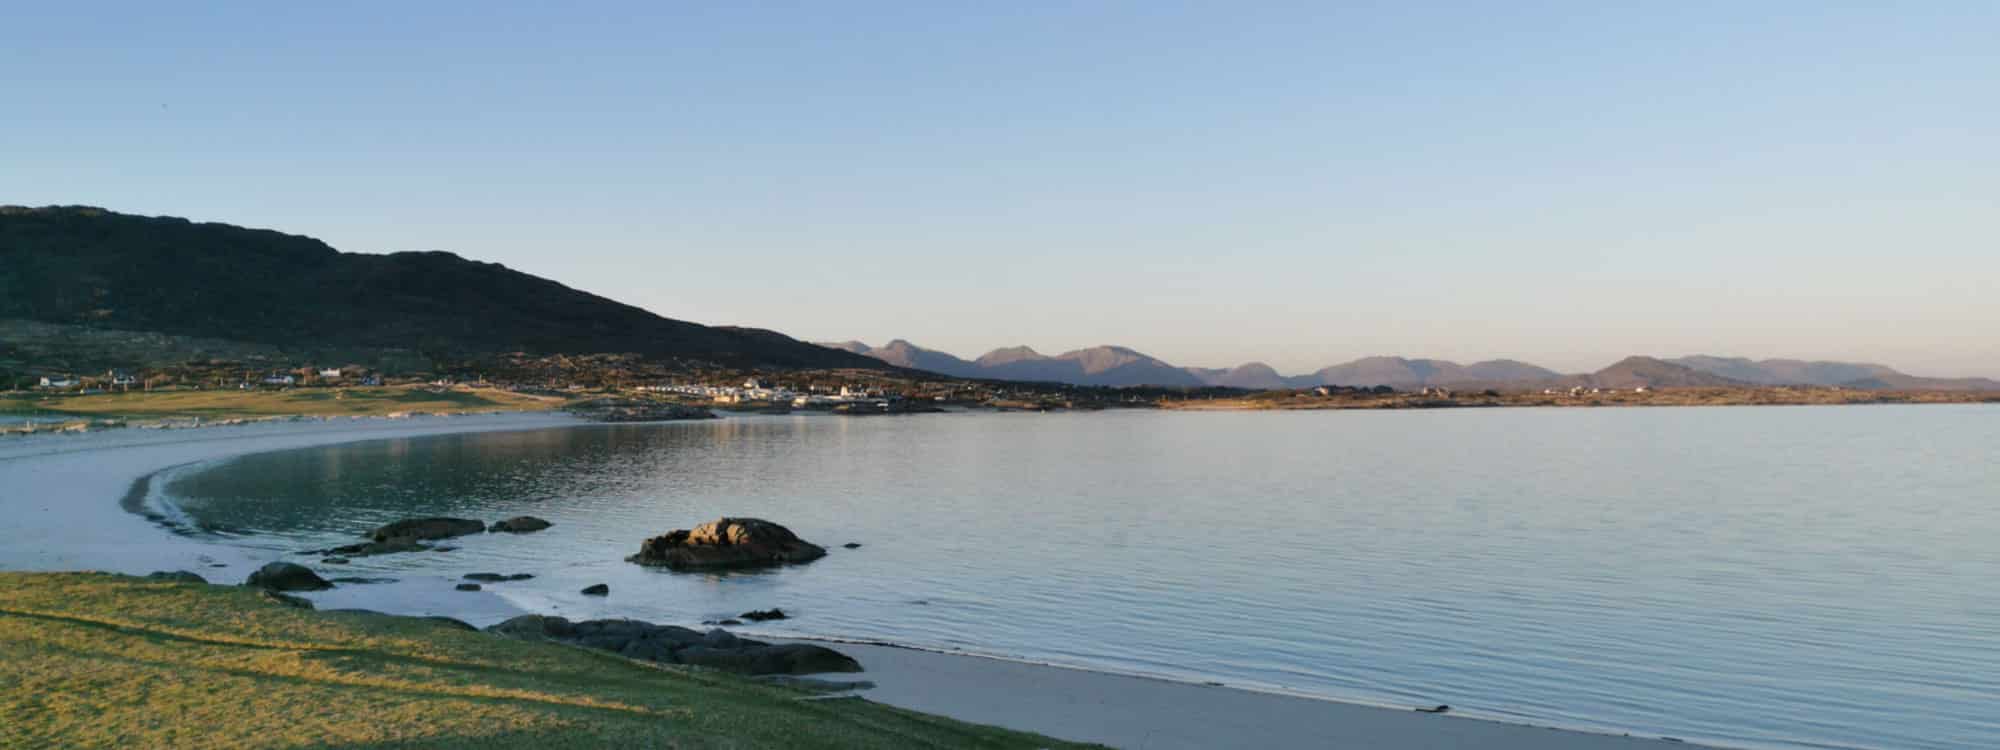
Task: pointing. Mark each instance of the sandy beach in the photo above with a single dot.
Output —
(61, 495)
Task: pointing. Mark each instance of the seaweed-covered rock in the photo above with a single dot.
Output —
(284, 576)
(727, 543)
(428, 528)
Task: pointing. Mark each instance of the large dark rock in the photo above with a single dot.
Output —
(534, 628)
(520, 525)
(428, 528)
(284, 576)
(597, 589)
(789, 658)
(668, 644)
(762, 615)
(727, 543)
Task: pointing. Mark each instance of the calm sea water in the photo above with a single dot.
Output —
(1786, 577)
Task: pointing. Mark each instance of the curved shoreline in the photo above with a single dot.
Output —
(73, 472)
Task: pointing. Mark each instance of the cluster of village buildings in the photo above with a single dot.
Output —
(754, 391)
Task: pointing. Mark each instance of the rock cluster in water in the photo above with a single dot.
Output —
(668, 644)
(410, 535)
(727, 543)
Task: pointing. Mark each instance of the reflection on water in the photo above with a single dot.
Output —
(1754, 576)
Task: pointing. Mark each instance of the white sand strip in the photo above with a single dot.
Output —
(1140, 713)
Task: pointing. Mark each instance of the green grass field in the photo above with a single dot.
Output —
(97, 660)
(320, 402)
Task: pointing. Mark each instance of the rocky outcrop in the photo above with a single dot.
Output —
(727, 543)
(519, 525)
(597, 589)
(428, 528)
(284, 576)
(668, 644)
(762, 615)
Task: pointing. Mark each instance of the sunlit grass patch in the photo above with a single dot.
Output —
(91, 659)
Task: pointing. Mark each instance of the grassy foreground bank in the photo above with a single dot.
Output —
(92, 659)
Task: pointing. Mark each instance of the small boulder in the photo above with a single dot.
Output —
(176, 576)
(334, 561)
(727, 543)
(597, 589)
(468, 587)
(520, 525)
(852, 545)
(284, 576)
(762, 615)
(428, 528)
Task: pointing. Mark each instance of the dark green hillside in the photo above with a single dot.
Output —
(79, 265)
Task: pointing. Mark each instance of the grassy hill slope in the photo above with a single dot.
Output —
(87, 266)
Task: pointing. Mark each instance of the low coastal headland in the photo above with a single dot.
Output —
(100, 660)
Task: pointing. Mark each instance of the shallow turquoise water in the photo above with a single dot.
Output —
(1776, 576)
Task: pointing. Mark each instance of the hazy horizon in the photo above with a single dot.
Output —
(1562, 184)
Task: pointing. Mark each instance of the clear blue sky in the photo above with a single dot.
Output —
(1212, 183)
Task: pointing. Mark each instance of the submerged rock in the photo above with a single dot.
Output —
(284, 576)
(365, 549)
(597, 589)
(520, 525)
(496, 577)
(727, 543)
(668, 644)
(761, 615)
(428, 528)
(468, 587)
(852, 545)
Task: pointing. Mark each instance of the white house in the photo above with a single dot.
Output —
(331, 373)
(279, 379)
(60, 382)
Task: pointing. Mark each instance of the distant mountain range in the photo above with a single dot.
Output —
(91, 268)
(1120, 366)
